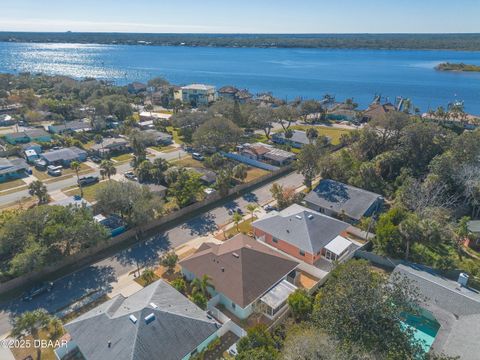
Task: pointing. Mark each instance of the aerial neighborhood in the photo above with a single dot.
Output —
(164, 221)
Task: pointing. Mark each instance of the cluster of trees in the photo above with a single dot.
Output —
(42, 235)
(470, 42)
(134, 203)
(356, 315)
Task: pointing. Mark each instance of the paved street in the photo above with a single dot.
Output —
(61, 184)
(102, 274)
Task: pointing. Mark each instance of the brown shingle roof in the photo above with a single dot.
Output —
(241, 268)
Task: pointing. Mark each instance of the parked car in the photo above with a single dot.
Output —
(130, 175)
(88, 180)
(237, 210)
(38, 290)
(54, 170)
(197, 156)
(269, 208)
(96, 159)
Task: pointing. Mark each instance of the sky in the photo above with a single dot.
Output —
(245, 16)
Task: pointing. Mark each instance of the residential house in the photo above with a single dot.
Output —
(228, 92)
(31, 155)
(450, 312)
(72, 201)
(28, 135)
(199, 94)
(243, 96)
(246, 275)
(70, 127)
(156, 322)
(136, 87)
(6, 120)
(110, 146)
(344, 201)
(207, 177)
(150, 115)
(377, 110)
(12, 169)
(304, 234)
(298, 140)
(114, 223)
(64, 156)
(158, 137)
(266, 153)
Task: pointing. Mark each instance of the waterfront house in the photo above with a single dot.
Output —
(245, 274)
(449, 318)
(304, 234)
(376, 111)
(344, 201)
(156, 322)
(199, 94)
(136, 87)
(64, 157)
(227, 92)
(12, 169)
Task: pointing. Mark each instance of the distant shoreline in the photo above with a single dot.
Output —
(455, 42)
(457, 67)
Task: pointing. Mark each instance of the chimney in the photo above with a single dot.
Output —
(109, 344)
(463, 279)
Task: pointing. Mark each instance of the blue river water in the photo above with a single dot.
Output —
(287, 73)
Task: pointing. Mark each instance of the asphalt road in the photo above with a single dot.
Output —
(62, 184)
(101, 275)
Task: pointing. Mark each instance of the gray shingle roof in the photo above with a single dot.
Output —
(178, 327)
(456, 308)
(338, 197)
(67, 154)
(241, 268)
(306, 229)
(12, 165)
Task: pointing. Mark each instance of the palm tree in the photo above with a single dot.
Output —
(312, 134)
(201, 285)
(38, 189)
(236, 218)
(29, 323)
(107, 169)
(148, 276)
(240, 172)
(75, 166)
(252, 208)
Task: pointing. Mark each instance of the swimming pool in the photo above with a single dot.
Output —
(425, 327)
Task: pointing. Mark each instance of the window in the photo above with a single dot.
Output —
(233, 305)
(275, 240)
(302, 253)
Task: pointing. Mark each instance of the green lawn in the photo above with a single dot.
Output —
(89, 192)
(331, 132)
(187, 161)
(244, 227)
(11, 184)
(122, 158)
(176, 137)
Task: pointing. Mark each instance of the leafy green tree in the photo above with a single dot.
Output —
(144, 171)
(180, 285)
(223, 181)
(107, 168)
(285, 196)
(169, 260)
(308, 163)
(186, 187)
(240, 172)
(30, 323)
(258, 344)
(300, 303)
(200, 300)
(262, 118)
(215, 162)
(312, 134)
(148, 275)
(218, 133)
(285, 115)
(373, 324)
(38, 189)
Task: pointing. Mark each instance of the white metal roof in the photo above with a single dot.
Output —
(278, 294)
(338, 245)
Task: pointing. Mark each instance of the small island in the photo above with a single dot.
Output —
(457, 67)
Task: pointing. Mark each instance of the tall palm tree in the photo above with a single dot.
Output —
(107, 169)
(201, 285)
(75, 166)
(252, 208)
(236, 218)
